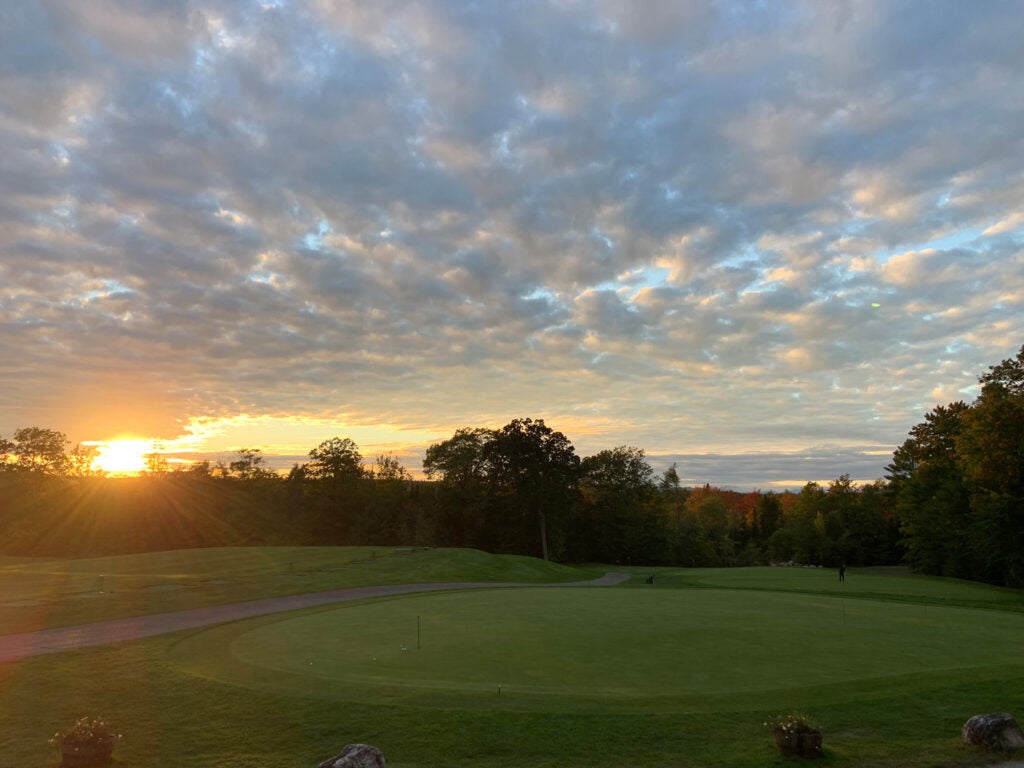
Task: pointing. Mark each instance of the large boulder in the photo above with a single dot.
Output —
(995, 731)
(356, 756)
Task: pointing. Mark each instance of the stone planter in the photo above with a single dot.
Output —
(798, 744)
(85, 755)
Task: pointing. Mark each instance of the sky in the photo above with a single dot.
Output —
(757, 239)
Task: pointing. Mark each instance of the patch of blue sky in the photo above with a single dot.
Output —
(600, 235)
(60, 153)
(266, 278)
(958, 239)
(314, 241)
(750, 256)
(971, 391)
(957, 347)
(953, 240)
(743, 258)
(635, 280)
(540, 292)
(184, 105)
(202, 61)
(107, 287)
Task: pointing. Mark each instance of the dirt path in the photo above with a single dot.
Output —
(15, 647)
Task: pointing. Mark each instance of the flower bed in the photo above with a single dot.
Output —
(89, 742)
(796, 735)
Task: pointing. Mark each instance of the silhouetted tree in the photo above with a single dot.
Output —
(617, 520)
(459, 467)
(250, 465)
(932, 495)
(990, 449)
(36, 450)
(532, 472)
(459, 460)
(336, 461)
(81, 462)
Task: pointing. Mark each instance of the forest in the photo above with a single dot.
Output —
(950, 504)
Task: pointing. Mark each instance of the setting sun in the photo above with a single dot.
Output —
(123, 457)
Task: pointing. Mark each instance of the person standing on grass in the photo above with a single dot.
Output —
(842, 572)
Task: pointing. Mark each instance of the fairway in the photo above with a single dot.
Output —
(607, 649)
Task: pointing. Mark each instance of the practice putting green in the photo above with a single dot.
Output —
(664, 650)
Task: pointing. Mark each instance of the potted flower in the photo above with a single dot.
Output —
(796, 734)
(89, 742)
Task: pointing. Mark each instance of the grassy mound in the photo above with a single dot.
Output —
(49, 592)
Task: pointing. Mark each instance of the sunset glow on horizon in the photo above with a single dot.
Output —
(122, 457)
(759, 241)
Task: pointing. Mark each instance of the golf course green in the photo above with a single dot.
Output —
(656, 650)
(682, 673)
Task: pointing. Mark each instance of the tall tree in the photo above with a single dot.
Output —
(7, 457)
(156, 463)
(1009, 374)
(388, 517)
(81, 461)
(535, 470)
(808, 524)
(990, 449)
(337, 461)
(767, 515)
(932, 497)
(670, 479)
(388, 469)
(459, 460)
(620, 522)
(958, 482)
(250, 465)
(620, 469)
(39, 450)
(708, 514)
(459, 466)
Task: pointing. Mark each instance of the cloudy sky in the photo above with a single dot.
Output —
(760, 239)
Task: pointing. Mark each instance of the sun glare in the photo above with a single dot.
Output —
(123, 457)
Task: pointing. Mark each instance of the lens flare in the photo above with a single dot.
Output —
(123, 457)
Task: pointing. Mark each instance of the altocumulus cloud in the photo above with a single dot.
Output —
(728, 233)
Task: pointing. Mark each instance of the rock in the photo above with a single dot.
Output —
(356, 756)
(995, 731)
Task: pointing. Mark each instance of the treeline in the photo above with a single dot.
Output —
(958, 483)
(951, 503)
(521, 489)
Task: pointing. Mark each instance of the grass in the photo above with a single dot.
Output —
(894, 584)
(610, 650)
(680, 674)
(48, 592)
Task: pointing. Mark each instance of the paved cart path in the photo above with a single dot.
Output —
(20, 646)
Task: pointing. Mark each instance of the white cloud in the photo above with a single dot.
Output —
(674, 221)
(1012, 223)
